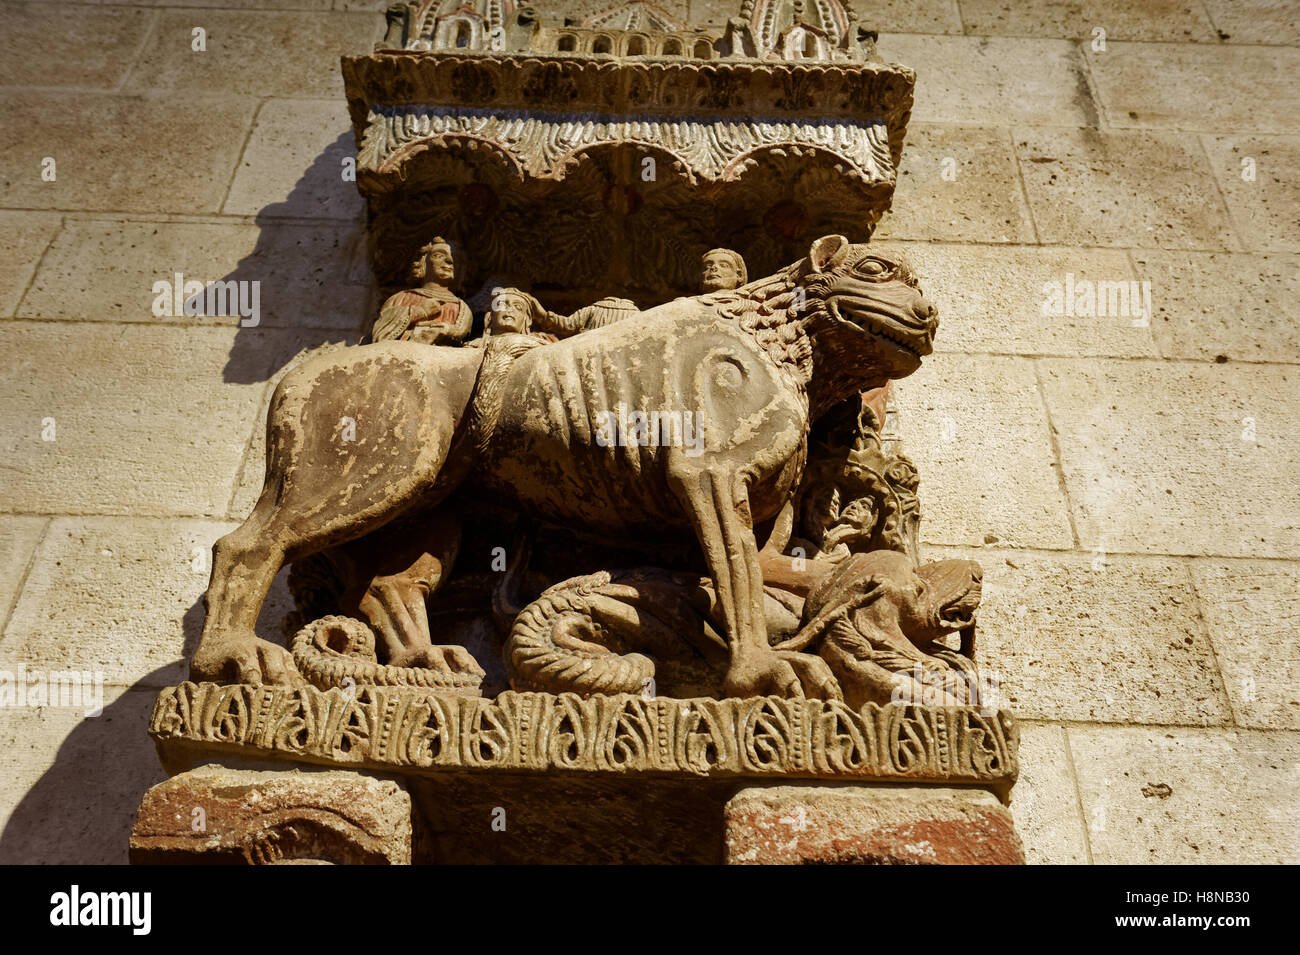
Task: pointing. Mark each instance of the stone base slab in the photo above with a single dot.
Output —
(530, 778)
(869, 825)
(216, 815)
(220, 815)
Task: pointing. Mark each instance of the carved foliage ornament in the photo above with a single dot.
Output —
(545, 146)
(389, 727)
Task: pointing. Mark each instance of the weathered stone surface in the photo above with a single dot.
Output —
(1045, 802)
(966, 421)
(1224, 430)
(1016, 314)
(1255, 21)
(71, 784)
(983, 81)
(95, 140)
(1168, 20)
(1178, 86)
(297, 52)
(291, 350)
(293, 164)
(1211, 304)
(1145, 190)
(904, 16)
(97, 46)
(1152, 795)
(1250, 609)
(24, 237)
(120, 596)
(933, 825)
(105, 270)
(958, 183)
(1096, 639)
(118, 439)
(18, 537)
(215, 814)
(1263, 209)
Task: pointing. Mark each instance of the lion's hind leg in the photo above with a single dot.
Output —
(353, 442)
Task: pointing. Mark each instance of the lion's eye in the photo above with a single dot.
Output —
(873, 268)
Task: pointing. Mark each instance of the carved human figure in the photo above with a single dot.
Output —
(722, 270)
(430, 313)
(876, 620)
(512, 314)
(606, 311)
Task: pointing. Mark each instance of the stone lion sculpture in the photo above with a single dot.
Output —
(754, 366)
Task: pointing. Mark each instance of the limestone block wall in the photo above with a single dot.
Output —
(1127, 479)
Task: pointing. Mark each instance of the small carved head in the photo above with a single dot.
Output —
(512, 311)
(435, 263)
(722, 270)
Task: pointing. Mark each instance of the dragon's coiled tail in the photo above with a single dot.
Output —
(563, 640)
(580, 636)
(337, 651)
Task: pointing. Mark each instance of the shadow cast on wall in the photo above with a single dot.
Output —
(314, 284)
(82, 808)
(314, 288)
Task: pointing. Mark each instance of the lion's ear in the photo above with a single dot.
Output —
(827, 252)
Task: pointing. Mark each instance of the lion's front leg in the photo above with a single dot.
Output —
(718, 505)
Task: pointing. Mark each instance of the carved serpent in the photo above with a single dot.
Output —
(580, 635)
(869, 617)
(338, 651)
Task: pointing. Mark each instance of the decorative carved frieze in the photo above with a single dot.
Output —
(399, 728)
(764, 29)
(541, 145)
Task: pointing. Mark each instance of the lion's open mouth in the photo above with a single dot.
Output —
(881, 324)
(959, 613)
(954, 591)
(956, 617)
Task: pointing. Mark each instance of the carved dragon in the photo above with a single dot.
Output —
(874, 618)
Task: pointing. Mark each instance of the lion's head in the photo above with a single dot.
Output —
(843, 320)
(874, 312)
(930, 601)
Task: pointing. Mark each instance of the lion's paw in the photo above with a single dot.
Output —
(250, 660)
